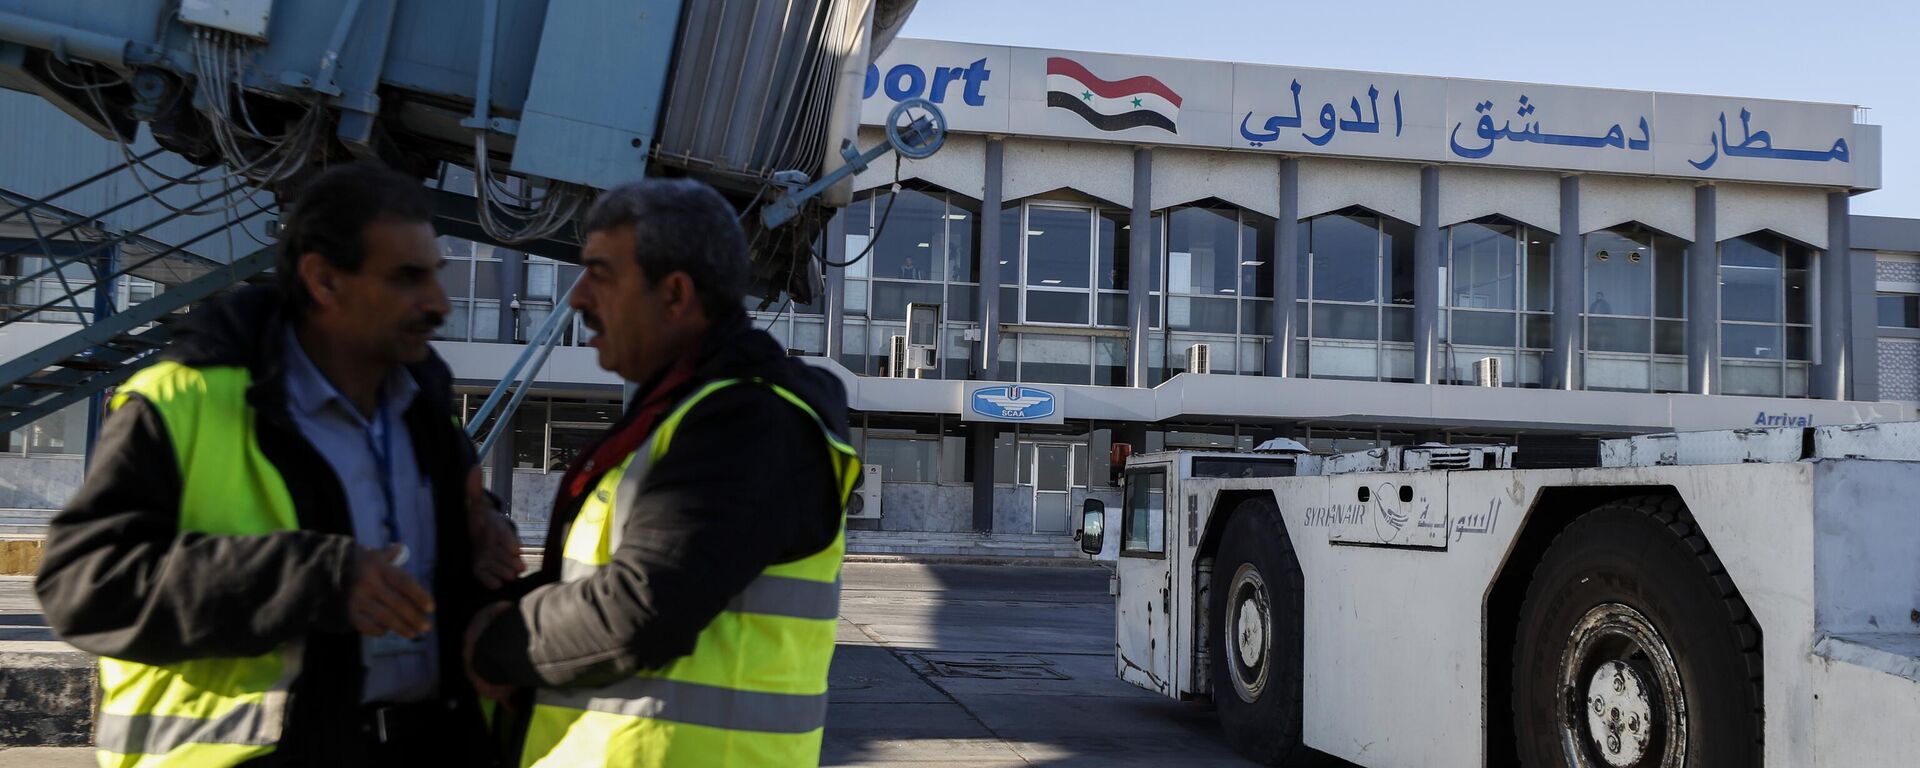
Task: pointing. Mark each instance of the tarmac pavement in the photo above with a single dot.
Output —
(982, 666)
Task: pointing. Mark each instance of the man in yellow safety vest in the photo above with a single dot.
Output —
(684, 614)
(282, 536)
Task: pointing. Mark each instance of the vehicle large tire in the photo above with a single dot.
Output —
(1254, 606)
(1635, 649)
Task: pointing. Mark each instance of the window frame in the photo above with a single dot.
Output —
(1147, 552)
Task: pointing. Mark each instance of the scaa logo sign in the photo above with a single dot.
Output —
(1015, 403)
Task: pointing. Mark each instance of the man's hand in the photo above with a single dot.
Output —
(488, 690)
(496, 548)
(385, 599)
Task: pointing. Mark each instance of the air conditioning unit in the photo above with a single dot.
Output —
(864, 504)
(1486, 372)
(1200, 358)
(900, 359)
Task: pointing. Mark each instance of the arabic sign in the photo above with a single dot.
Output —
(1012, 402)
(1145, 100)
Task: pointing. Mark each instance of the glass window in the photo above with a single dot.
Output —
(1012, 240)
(1397, 243)
(486, 320)
(1111, 309)
(456, 276)
(1753, 341)
(1203, 251)
(1196, 314)
(1619, 274)
(455, 326)
(953, 452)
(486, 279)
(1898, 310)
(1144, 527)
(962, 302)
(1539, 271)
(891, 297)
(962, 251)
(1055, 359)
(1489, 329)
(1766, 297)
(540, 278)
(1115, 250)
(1256, 256)
(1110, 362)
(1345, 258)
(1483, 269)
(1750, 274)
(904, 460)
(1342, 321)
(1670, 277)
(911, 234)
(1633, 275)
(1059, 248)
(1056, 307)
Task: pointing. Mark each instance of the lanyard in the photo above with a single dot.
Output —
(380, 443)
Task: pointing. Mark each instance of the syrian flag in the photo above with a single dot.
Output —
(1111, 105)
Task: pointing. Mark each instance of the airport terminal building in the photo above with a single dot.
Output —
(1171, 253)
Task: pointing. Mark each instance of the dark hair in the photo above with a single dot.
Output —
(330, 217)
(681, 225)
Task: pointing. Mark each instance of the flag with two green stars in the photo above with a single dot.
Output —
(1111, 105)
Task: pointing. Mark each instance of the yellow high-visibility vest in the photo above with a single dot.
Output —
(203, 712)
(754, 690)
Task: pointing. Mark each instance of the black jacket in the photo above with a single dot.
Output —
(119, 579)
(748, 484)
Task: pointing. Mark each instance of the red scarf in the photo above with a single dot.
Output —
(588, 468)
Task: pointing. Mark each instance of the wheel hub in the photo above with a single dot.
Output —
(1248, 628)
(1621, 703)
(1252, 633)
(1619, 714)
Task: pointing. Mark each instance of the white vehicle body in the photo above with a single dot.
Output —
(1402, 648)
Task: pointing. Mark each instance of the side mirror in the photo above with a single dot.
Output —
(1093, 527)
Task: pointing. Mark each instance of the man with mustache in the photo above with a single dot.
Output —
(684, 614)
(282, 535)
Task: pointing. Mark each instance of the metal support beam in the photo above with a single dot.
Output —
(836, 277)
(987, 306)
(1141, 260)
(981, 440)
(1703, 295)
(1426, 278)
(1286, 271)
(1569, 289)
(1832, 375)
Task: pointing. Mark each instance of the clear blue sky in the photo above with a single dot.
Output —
(1843, 51)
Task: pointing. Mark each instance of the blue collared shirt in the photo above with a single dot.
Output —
(397, 669)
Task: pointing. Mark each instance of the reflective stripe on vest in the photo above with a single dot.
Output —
(218, 711)
(754, 690)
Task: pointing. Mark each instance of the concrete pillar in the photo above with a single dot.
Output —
(1569, 292)
(980, 441)
(513, 270)
(986, 364)
(1426, 278)
(836, 306)
(1140, 263)
(1832, 372)
(1703, 295)
(1863, 366)
(1286, 270)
